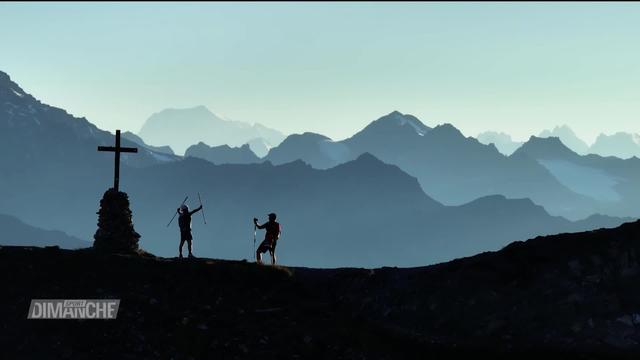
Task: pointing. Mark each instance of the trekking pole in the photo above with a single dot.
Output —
(254, 240)
(174, 215)
(203, 218)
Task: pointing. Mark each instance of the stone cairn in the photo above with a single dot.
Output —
(115, 232)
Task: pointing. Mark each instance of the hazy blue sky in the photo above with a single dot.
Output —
(334, 67)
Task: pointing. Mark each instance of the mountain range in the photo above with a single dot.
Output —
(622, 145)
(181, 128)
(612, 181)
(396, 133)
(450, 167)
(362, 212)
(454, 169)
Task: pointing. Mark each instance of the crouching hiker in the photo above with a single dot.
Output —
(270, 238)
(185, 227)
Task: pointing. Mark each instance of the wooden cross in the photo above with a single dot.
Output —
(117, 149)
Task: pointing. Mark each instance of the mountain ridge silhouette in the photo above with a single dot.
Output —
(556, 297)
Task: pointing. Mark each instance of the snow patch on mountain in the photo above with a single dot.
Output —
(19, 94)
(418, 129)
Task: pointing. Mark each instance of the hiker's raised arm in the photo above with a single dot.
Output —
(196, 210)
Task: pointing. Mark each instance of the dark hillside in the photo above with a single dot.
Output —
(569, 295)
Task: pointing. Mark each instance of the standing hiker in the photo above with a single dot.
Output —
(185, 227)
(270, 238)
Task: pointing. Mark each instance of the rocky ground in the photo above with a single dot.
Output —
(563, 296)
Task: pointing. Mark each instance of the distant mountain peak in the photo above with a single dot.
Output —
(314, 135)
(446, 129)
(9, 87)
(568, 137)
(389, 130)
(545, 148)
(545, 140)
(553, 142)
(223, 154)
(621, 135)
(557, 131)
(304, 139)
(563, 127)
(199, 109)
(181, 128)
(620, 144)
(369, 163)
(4, 77)
(500, 140)
(368, 157)
(499, 134)
(399, 119)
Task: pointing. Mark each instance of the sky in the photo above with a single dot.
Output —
(332, 68)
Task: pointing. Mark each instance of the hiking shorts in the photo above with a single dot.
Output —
(185, 236)
(267, 245)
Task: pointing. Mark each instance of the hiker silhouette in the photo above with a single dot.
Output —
(184, 221)
(271, 237)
